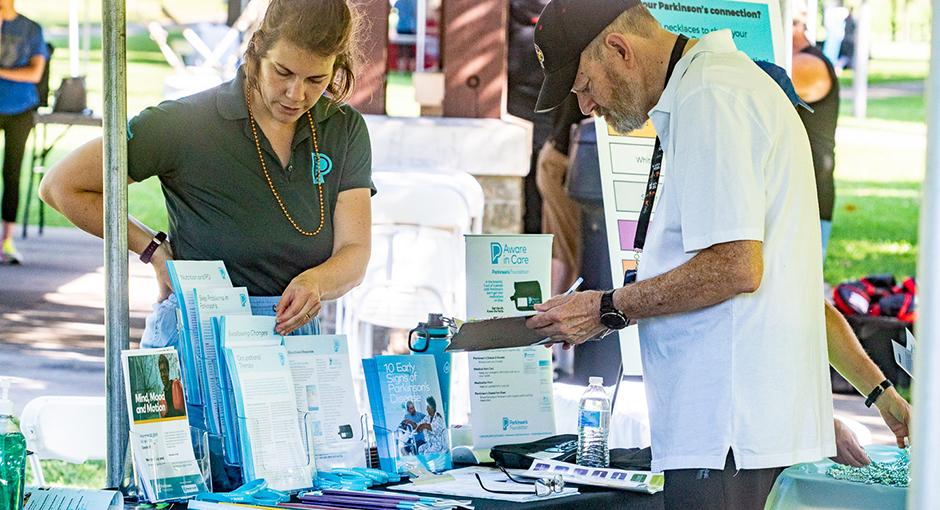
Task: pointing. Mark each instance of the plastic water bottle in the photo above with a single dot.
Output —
(12, 454)
(594, 425)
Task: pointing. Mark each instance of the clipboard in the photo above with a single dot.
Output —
(501, 333)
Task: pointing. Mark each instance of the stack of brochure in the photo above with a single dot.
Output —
(280, 407)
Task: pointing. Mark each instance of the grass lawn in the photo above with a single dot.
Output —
(903, 108)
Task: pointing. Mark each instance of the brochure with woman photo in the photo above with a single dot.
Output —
(160, 436)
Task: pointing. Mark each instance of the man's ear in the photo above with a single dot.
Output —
(622, 46)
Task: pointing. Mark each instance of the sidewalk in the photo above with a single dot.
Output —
(52, 322)
(52, 314)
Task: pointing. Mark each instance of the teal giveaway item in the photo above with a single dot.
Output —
(255, 492)
(809, 485)
(357, 478)
(894, 473)
(433, 337)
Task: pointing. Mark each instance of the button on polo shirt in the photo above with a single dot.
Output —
(750, 374)
(219, 203)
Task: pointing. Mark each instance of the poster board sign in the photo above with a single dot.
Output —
(625, 158)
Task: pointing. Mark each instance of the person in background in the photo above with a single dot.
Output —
(561, 216)
(814, 79)
(524, 77)
(23, 57)
(407, 25)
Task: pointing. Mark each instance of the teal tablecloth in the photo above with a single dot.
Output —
(806, 486)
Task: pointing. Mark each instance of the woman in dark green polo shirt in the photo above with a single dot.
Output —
(270, 172)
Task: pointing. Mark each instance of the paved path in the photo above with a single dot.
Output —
(887, 90)
(52, 315)
(51, 322)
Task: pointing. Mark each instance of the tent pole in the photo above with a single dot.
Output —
(117, 330)
(925, 470)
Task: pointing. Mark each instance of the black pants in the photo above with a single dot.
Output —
(16, 130)
(719, 489)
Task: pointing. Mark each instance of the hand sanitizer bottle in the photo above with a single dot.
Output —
(12, 454)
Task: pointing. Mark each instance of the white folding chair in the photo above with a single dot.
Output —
(72, 429)
(417, 265)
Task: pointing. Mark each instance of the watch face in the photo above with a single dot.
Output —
(614, 320)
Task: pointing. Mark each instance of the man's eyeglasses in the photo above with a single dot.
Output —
(543, 486)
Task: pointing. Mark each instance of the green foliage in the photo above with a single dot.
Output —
(90, 475)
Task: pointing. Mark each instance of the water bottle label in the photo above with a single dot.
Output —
(590, 419)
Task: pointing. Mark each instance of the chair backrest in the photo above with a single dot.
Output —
(417, 264)
(72, 429)
(439, 200)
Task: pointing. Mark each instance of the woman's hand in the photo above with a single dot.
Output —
(896, 413)
(299, 304)
(848, 451)
(158, 260)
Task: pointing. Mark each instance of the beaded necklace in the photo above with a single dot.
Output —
(267, 177)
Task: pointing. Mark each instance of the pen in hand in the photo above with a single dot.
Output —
(574, 286)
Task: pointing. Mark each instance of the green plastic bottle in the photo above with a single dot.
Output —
(12, 454)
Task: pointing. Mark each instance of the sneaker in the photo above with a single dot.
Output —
(10, 255)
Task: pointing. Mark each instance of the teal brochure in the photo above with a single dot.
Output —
(185, 276)
(410, 427)
(239, 331)
(210, 303)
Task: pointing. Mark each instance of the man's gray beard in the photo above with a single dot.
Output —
(625, 123)
(624, 114)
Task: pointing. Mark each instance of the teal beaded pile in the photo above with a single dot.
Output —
(892, 474)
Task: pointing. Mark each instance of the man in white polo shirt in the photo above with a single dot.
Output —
(729, 294)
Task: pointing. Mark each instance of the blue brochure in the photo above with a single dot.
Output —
(185, 276)
(411, 429)
(213, 303)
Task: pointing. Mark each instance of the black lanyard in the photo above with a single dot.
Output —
(656, 164)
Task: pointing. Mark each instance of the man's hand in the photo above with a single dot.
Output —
(896, 413)
(848, 451)
(573, 319)
(158, 260)
(299, 304)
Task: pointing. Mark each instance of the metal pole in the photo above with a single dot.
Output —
(73, 38)
(860, 62)
(812, 20)
(117, 331)
(86, 35)
(925, 470)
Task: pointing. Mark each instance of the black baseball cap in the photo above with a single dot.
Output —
(564, 30)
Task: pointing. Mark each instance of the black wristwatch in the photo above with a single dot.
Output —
(610, 316)
(875, 393)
